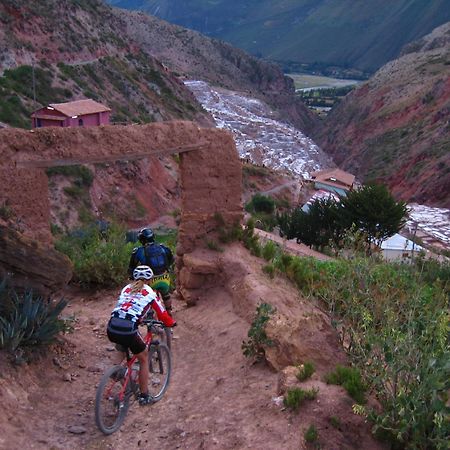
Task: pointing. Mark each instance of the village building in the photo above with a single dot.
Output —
(333, 180)
(399, 248)
(319, 195)
(79, 113)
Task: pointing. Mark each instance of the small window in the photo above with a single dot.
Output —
(80, 122)
(38, 123)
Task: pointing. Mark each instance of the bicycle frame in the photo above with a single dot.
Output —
(132, 359)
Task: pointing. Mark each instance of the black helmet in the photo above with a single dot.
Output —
(146, 236)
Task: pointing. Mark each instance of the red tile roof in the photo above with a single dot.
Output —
(79, 107)
(334, 177)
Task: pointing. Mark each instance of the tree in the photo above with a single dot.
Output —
(374, 211)
(317, 226)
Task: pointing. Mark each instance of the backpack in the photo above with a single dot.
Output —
(156, 258)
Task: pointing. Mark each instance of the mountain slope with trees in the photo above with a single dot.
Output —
(395, 128)
(344, 33)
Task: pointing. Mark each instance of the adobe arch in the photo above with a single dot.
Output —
(210, 169)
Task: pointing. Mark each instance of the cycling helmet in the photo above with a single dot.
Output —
(146, 236)
(142, 273)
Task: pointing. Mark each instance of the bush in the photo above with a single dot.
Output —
(27, 319)
(269, 250)
(295, 397)
(257, 337)
(100, 257)
(305, 371)
(269, 269)
(261, 203)
(311, 434)
(350, 379)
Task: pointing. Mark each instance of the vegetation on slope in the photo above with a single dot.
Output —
(320, 33)
(394, 128)
(393, 323)
(136, 86)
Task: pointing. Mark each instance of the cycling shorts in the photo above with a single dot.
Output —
(161, 283)
(125, 334)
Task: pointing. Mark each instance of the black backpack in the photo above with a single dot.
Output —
(156, 258)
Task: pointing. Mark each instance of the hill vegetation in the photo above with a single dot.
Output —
(394, 128)
(307, 33)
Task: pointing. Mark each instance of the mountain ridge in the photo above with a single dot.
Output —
(395, 128)
(322, 33)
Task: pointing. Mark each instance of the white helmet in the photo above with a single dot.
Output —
(142, 272)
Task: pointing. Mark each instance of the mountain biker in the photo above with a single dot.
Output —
(159, 258)
(135, 303)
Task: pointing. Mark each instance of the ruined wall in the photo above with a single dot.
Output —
(210, 173)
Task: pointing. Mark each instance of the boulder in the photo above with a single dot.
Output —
(30, 264)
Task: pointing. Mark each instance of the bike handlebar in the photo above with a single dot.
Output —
(150, 322)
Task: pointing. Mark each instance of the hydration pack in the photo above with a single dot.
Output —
(156, 258)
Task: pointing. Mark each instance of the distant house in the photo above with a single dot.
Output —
(333, 180)
(80, 113)
(399, 248)
(319, 195)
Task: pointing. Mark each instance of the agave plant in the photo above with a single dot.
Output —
(27, 319)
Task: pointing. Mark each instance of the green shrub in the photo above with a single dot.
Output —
(311, 434)
(99, 258)
(269, 269)
(335, 422)
(28, 319)
(269, 250)
(295, 397)
(250, 240)
(305, 371)
(261, 203)
(350, 379)
(257, 337)
(82, 174)
(213, 245)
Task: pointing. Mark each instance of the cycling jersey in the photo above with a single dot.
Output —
(134, 306)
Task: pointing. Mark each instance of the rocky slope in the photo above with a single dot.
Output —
(395, 128)
(318, 32)
(195, 56)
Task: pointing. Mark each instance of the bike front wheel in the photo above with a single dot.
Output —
(160, 367)
(110, 408)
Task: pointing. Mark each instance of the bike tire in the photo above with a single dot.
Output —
(160, 368)
(109, 413)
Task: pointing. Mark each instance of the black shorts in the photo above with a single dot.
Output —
(132, 339)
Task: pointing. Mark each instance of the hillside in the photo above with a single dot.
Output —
(88, 49)
(320, 33)
(395, 128)
(79, 50)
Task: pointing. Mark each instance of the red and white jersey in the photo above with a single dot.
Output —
(134, 306)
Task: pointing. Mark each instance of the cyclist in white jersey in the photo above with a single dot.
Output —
(133, 305)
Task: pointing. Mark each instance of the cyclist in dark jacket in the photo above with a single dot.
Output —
(159, 258)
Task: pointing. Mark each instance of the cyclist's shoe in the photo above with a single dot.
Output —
(144, 399)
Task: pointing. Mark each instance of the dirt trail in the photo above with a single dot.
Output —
(216, 399)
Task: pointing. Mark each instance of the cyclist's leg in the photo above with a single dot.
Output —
(139, 348)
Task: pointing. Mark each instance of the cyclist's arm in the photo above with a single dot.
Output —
(162, 314)
(134, 262)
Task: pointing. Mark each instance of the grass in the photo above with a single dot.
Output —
(305, 371)
(311, 434)
(350, 379)
(295, 397)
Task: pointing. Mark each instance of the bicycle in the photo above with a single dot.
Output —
(119, 385)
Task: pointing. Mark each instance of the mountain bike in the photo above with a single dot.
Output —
(119, 385)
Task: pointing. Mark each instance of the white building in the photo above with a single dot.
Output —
(399, 248)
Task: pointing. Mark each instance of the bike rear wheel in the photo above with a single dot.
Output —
(160, 367)
(110, 411)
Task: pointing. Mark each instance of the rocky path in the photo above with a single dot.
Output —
(216, 399)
